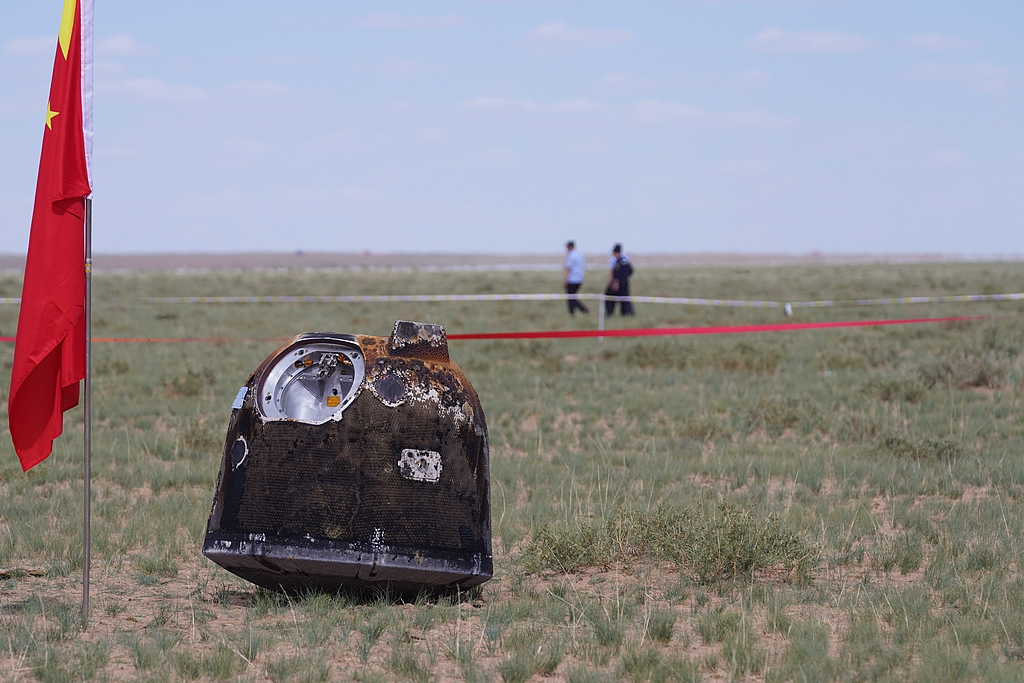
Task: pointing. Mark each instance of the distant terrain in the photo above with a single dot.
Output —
(553, 260)
(813, 505)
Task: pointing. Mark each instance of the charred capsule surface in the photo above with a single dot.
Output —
(355, 460)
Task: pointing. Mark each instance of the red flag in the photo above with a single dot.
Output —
(49, 352)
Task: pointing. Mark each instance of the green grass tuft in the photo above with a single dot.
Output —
(661, 626)
(717, 545)
(924, 448)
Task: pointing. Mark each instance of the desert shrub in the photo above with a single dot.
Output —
(191, 383)
(759, 359)
(926, 448)
(91, 657)
(908, 611)
(161, 564)
(778, 413)
(62, 620)
(186, 664)
(841, 357)
(744, 356)
(854, 427)
(406, 663)
(113, 366)
(738, 639)
(518, 667)
(713, 544)
(904, 552)
(982, 558)
(637, 664)
(702, 428)
(806, 658)
(282, 668)
(608, 630)
(897, 387)
(582, 673)
(661, 625)
(529, 655)
(145, 654)
(220, 662)
(734, 543)
(963, 369)
(716, 626)
(1002, 339)
(861, 353)
(550, 656)
(658, 533)
(199, 438)
(567, 548)
(659, 354)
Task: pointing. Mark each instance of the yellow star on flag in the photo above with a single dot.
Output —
(49, 115)
(67, 26)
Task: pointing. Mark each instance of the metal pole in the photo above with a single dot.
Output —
(87, 475)
(600, 316)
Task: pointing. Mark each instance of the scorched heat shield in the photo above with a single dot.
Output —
(355, 460)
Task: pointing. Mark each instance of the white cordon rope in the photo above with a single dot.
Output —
(678, 300)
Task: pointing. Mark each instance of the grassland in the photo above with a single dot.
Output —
(819, 505)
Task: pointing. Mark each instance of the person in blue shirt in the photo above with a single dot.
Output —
(575, 267)
(618, 281)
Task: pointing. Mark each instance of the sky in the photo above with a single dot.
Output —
(883, 126)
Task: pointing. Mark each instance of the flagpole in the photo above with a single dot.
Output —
(88, 411)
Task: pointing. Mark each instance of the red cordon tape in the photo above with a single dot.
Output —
(576, 334)
(168, 340)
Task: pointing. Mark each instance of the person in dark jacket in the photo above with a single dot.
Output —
(618, 281)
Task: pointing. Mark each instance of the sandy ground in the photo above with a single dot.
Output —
(442, 261)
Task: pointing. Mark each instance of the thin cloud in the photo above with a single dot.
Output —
(617, 79)
(31, 47)
(625, 81)
(935, 42)
(754, 165)
(153, 90)
(775, 39)
(283, 60)
(433, 135)
(560, 33)
(657, 111)
(985, 77)
(110, 71)
(947, 158)
(501, 154)
(353, 193)
(411, 22)
(757, 119)
(562, 107)
(257, 89)
(120, 45)
(396, 66)
(216, 203)
(755, 79)
(120, 151)
(247, 146)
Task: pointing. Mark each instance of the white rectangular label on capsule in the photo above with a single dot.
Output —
(239, 398)
(420, 465)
